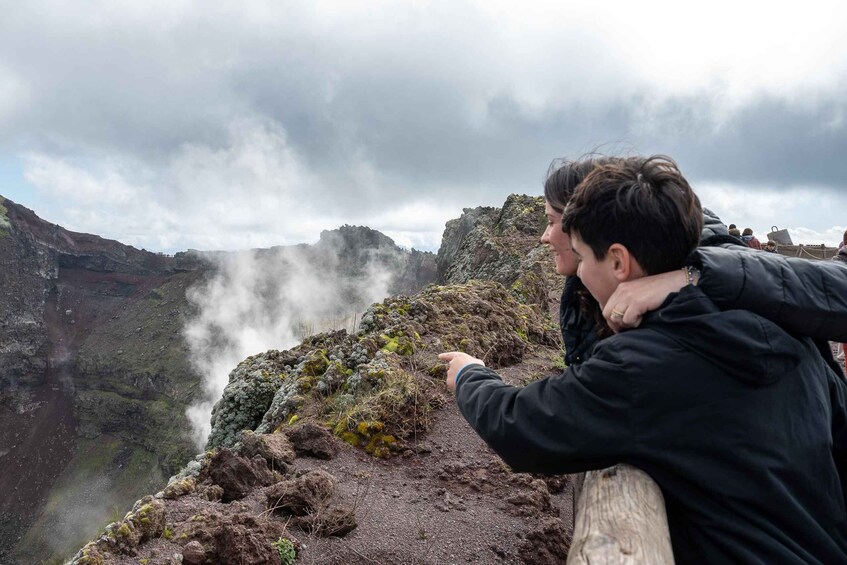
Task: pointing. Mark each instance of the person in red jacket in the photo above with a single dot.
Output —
(750, 239)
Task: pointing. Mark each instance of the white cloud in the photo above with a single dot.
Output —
(761, 209)
(231, 125)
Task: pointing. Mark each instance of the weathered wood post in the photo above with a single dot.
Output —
(620, 518)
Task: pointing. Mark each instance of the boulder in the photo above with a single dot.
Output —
(303, 495)
(313, 440)
(236, 475)
(276, 449)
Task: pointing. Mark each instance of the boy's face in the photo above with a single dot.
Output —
(597, 276)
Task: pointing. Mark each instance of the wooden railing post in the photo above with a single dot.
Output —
(620, 518)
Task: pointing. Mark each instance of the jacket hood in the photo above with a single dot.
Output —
(712, 225)
(746, 346)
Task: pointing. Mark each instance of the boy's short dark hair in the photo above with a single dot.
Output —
(643, 203)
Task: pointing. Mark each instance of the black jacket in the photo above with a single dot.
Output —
(579, 332)
(807, 298)
(741, 425)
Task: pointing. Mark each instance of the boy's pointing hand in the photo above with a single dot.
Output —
(456, 361)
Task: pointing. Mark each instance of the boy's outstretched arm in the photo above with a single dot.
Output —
(567, 423)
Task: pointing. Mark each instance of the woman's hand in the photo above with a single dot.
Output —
(632, 299)
(456, 360)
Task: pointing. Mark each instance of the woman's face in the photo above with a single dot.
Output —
(559, 241)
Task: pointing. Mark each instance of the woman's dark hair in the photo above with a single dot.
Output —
(563, 176)
(642, 203)
(747, 231)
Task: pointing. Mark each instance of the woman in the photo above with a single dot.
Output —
(804, 297)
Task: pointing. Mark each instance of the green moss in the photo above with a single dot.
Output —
(316, 363)
(168, 533)
(350, 437)
(123, 530)
(401, 345)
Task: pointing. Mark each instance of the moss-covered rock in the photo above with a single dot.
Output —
(144, 522)
(501, 245)
(377, 388)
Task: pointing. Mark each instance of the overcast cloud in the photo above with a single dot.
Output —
(225, 125)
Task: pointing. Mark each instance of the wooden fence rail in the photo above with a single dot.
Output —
(620, 518)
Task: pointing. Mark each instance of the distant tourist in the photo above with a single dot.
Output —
(750, 239)
(735, 232)
(733, 417)
(843, 240)
(733, 227)
(770, 246)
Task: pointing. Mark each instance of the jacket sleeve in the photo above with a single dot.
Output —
(804, 297)
(576, 421)
(838, 405)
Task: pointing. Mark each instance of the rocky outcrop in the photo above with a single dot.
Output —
(364, 386)
(294, 428)
(501, 244)
(95, 374)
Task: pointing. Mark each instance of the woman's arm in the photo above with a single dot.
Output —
(804, 297)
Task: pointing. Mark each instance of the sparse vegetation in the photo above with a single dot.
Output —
(287, 554)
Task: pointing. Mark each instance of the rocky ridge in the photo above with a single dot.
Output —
(347, 448)
(95, 373)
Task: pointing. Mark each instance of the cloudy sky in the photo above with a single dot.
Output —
(224, 125)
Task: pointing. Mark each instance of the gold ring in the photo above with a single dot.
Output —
(616, 314)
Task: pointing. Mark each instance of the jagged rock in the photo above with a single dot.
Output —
(237, 475)
(276, 449)
(303, 495)
(211, 492)
(146, 521)
(548, 544)
(193, 553)
(501, 245)
(533, 498)
(313, 440)
(333, 521)
(310, 499)
(180, 488)
(234, 539)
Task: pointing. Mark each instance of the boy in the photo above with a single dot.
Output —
(740, 424)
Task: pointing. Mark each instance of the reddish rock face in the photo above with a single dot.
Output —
(69, 302)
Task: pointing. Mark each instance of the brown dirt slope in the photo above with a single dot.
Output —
(448, 500)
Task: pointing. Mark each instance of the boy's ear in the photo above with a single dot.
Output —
(624, 266)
